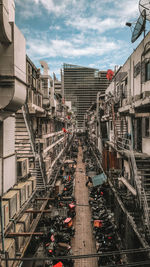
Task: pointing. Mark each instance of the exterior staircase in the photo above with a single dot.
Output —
(22, 140)
(40, 183)
(25, 146)
(121, 127)
(143, 170)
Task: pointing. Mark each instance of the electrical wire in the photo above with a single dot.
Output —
(83, 256)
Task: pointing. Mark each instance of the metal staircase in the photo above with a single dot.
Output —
(121, 127)
(143, 169)
(26, 147)
(22, 140)
(139, 169)
(40, 182)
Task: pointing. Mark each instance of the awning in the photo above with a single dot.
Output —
(69, 161)
(99, 179)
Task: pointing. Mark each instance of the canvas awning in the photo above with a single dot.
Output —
(69, 161)
(99, 179)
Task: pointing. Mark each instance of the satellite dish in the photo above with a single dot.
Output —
(145, 5)
(139, 26)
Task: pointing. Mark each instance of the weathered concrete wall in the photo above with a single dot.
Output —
(12, 63)
(7, 154)
(146, 145)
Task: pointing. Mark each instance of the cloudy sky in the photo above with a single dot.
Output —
(83, 32)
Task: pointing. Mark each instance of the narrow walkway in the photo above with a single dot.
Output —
(83, 242)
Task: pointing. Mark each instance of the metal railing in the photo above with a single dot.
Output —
(125, 144)
(146, 209)
(36, 154)
(40, 161)
(25, 112)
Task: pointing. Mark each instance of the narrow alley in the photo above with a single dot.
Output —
(83, 242)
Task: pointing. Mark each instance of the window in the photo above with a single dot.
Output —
(147, 71)
(111, 125)
(147, 132)
(126, 80)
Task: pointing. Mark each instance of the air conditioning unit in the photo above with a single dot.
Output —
(22, 167)
(25, 220)
(22, 189)
(5, 210)
(29, 188)
(14, 204)
(33, 179)
(20, 239)
(10, 251)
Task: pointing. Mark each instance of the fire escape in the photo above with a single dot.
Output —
(139, 163)
(26, 147)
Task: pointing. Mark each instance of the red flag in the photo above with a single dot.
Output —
(109, 75)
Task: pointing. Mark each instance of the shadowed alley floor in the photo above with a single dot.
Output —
(83, 242)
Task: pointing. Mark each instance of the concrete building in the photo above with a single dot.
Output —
(81, 85)
(124, 131)
(12, 90)
(32, 139)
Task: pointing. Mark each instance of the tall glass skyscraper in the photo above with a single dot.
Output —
(81, 85)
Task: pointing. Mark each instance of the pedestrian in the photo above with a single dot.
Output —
(89, 180)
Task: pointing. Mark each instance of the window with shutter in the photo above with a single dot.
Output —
(143, 71)
(147, 71)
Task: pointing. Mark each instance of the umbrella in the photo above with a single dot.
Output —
(99, 179)
(67, 220)
(59, 264)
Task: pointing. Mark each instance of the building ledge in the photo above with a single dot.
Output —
(124, 109)
(105, 118)
(128, 185)
(126, 153)
(51, 146)
(142, 102)
(34, 108)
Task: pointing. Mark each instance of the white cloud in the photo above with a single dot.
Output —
(103, 17)
(79, 28)
(27, 10)
(70, 48)
(78, 12)
(54, 6)
(93, 23)
(56, 27)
